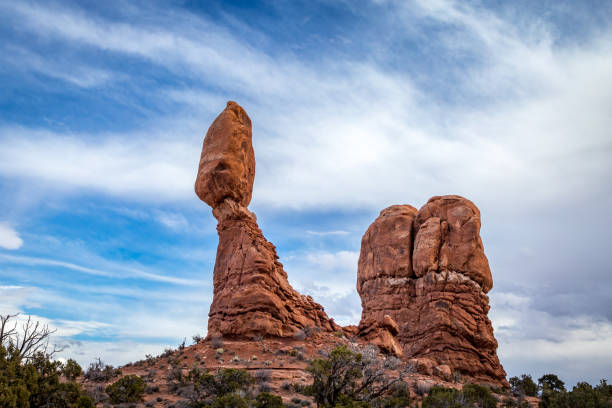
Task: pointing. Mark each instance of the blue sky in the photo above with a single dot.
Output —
(355, 106)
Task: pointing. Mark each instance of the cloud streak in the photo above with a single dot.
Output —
(131, 272)
(9, 238)
(334, 111)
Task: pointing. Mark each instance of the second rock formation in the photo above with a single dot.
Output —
(427, 271)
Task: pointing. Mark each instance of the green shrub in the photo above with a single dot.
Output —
(98, 371)
(523, 386)
(479, 395)
(583, 395)
(472, 395)
(509, 402)
(206, 386)
(551, 383)
(72, 370)
(231, 380)
(35, 382)
(553, 392)
(267, 400)
(399, 397)
(350, 379)
(439, 397)
(230, 401)
(604, 389)
(127, 389)
(334, 376)
(345, 401)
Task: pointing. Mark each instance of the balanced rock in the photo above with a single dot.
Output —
(227, 163)
(251, 294)
(428, 272)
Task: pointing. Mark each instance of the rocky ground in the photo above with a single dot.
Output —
(422, 276)
(278, 365)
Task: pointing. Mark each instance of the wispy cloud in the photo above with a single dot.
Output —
(75, 73)
(174, 221)
(334, 111)
(9, 238)
(538, 342)
(168, 317)
(196, 46)
(327, 233)
(327, 261)
(155, 170)
(120, 273)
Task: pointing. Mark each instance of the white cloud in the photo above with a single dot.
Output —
(9, 238)
(158, 319)
(196, 45)
(154, 170)
(351, 133)
(14, 297)
(330, 278)
(172, 220)
(74, 73)
(536, 342)
(327, 233)
(327, 261)
(121, 271)
(116, 353)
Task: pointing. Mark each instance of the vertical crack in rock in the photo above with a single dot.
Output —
(251, 295)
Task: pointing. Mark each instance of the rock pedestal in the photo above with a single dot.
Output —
(251, 295)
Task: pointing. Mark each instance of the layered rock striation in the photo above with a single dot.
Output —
(427, 271)
(251, 295)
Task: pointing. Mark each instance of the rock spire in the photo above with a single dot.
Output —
(251, 295)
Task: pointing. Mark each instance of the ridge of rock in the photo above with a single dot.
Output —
(251, 294)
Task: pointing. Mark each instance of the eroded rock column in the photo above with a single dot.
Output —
(251, 295)
(427, 270)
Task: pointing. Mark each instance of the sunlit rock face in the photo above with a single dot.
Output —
(427, 271)
(227, 163)
(251, 295)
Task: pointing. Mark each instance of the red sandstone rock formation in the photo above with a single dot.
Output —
(422, 275)
(227, 163)
(384, 270)
(427, 271)
(252, 295)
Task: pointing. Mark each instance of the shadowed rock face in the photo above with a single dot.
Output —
(252, 295)
(427, 271)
